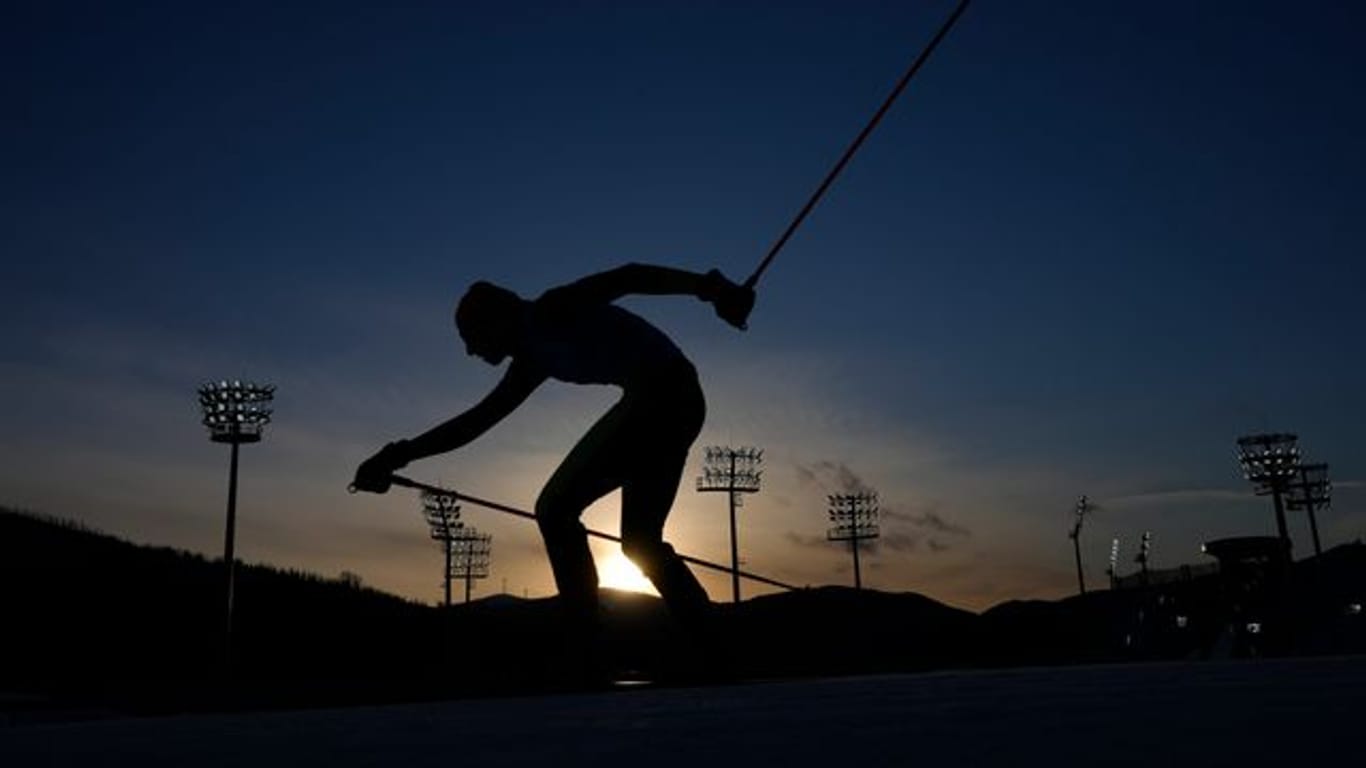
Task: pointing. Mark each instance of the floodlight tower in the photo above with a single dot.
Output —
(1271, 462)
(235, 412)
(443, 518)
(1311, 490)
(1145, 551)
(1114, 563)
(854, 518)
(1083, 506)
(734, 471)
(471, 557)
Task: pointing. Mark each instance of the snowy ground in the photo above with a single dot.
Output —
(1212, 713)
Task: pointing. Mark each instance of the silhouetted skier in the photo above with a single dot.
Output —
(575, 333)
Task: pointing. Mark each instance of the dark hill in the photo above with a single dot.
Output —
(88, 615)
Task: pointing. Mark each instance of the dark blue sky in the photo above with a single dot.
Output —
(1092, 244)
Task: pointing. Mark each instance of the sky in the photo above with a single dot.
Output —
(1091, 245)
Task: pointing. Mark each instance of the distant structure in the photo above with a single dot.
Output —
(470, 556)
(854, 519)
(734, 471)
(1270, 462)
(1253, 571)
(1113, 570)
(1082, 508)
(1310, 491)
(443, 518)
(1145, 552)
(235, 412)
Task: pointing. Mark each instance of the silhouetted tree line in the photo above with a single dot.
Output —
(86, 616)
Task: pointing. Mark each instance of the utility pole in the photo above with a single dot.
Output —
(733, 471)
(235, 412)
(1083, 506)
(854, 518)
(1311, 490)
(442, 513)
(1270, 462)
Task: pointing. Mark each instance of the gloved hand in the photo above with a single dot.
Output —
(733, 302)
(375, 473)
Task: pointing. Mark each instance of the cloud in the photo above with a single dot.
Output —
(832, 477)
(898, 541)
(806, 541)
(904, 528)
(929, 519)
(1177, 496)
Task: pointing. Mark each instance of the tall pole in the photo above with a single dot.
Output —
(733, 471)
(229, 559)
(1281, 528)
(858, 577)
(1270, 462)
(1076, 551)
(1083, 507)
(1114, 564)
(472, 554)
(442, 512)
(235, 412)
(734, 538)
(1314, 529)
(854, 518)
(447, 580)
(1144, 554)
(1310, 492)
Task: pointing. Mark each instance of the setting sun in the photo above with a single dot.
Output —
(616, 571)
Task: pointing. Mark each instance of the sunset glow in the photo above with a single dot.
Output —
(616, 571)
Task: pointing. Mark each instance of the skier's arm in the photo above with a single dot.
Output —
(511, 391)
(733, 302)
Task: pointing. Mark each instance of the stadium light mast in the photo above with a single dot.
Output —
(854, 519)
(1270, 462)
(1311, 490)
(1145, 552)
(734, 471)
(1114, 563)
(443, 518)
(1083, 507)
(470, 560)
(235, 412)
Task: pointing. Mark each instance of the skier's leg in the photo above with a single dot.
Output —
(660, 451)
(590, 471)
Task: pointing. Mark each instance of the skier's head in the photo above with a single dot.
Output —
(487, 320)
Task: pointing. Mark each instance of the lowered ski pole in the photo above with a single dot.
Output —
(497, 507)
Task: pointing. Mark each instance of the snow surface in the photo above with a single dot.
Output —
(1197, 713)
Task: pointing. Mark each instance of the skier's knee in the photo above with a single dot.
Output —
(555, 518)
(646, 552)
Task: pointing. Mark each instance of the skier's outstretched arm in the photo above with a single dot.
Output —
(733, 302)
(512, 390)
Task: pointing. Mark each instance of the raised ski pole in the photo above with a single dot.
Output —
(858, 141)
(497, 507)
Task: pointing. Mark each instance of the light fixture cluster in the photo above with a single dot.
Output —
(854, 516)
(1269, 460)
(236, 411)
(470, 554)
(442, 511)
(1312, 489)
(731, 469)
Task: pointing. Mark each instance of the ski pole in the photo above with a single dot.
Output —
(858, 141)
(402, 481)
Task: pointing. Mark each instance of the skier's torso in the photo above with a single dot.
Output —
(601, 344)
